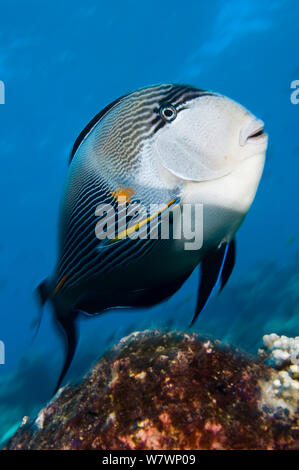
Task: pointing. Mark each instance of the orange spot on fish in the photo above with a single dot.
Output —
(123, 195)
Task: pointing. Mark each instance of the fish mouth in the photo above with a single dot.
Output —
(258, 135)
(253, 133)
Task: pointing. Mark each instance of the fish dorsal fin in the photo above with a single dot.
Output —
(211, 270)
(95, 120)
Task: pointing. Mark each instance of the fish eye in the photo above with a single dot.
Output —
(168, 112)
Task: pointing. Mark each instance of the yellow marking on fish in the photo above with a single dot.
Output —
(125, 233)
(123, 195)
(59, 285)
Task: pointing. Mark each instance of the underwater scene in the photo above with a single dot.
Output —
(119, 331)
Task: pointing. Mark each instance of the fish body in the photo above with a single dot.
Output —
(164, 153)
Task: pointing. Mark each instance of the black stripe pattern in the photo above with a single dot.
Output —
(152, 99)
(105, 155)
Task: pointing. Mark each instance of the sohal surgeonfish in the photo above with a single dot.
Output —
(164, 153)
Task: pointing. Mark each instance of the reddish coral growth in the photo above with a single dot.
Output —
(162, 391)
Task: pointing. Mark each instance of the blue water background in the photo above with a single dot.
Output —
(61, 62)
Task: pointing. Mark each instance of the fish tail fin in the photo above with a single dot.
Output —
(65, 322)
(69, 329)
(42, 295)
(42, 292)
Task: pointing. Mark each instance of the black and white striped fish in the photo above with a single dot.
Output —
(166, 146)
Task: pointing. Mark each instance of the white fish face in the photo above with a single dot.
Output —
(209, 138)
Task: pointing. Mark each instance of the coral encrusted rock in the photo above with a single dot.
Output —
(280, 392)
(158, 390)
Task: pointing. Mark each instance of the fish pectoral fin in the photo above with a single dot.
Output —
(211, 271)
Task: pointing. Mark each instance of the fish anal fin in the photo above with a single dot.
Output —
(228, 264)
(68, 327)
(211, 270)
